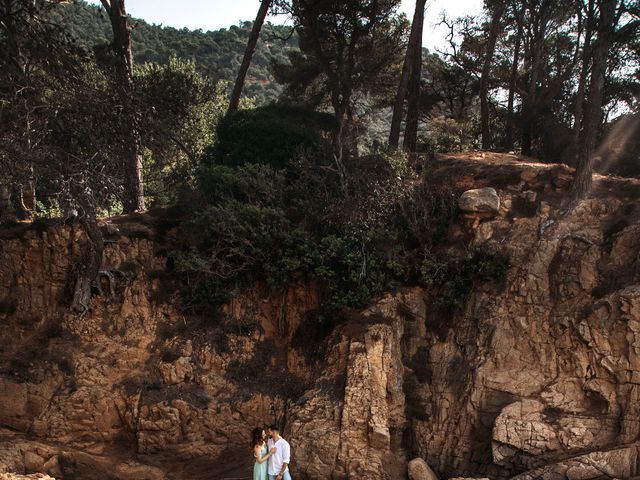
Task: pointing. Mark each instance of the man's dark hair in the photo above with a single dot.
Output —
(274, 428)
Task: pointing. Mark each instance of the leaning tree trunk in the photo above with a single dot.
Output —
(494, 28)
(20, 208)
(30, 191)
(398, 105)
(133, 184)
(413, 97)
(593, 108)
(89, 268)
(248, 54)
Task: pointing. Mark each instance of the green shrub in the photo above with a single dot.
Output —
(232, 235)
(448, 135)
(453, 277)
(256, 184)
(256, 222)
(352, 269)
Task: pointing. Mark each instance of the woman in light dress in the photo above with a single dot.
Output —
(260, 453)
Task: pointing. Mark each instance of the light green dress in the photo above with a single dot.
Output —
(260, 469)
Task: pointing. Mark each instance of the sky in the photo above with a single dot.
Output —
(216, 14)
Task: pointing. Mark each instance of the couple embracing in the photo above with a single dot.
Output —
(272, 454)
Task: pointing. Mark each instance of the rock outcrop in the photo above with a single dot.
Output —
(480, 200)
(14, 476)
(535, 378)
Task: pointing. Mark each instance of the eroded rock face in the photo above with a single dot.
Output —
(121, 377)
(536, 378)
(356, 409)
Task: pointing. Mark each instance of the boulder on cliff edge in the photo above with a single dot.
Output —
(479, 200)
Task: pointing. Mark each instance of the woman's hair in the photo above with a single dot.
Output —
(256, 437)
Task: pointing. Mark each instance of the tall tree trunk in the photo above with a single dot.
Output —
(133, 184)
(494, 28)
(413, 94)
(529, 103)
(592, 116)
(398, 105)
(248, 54)
(20, 208)
(512, 88)
(582, 83)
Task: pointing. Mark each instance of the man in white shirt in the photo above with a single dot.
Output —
(279, 461)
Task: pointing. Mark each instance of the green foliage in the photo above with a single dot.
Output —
(269, 135)
(179, 109)
(256, 222)
(250, 183)
(353, 269)
(448, 135)
(453, 277)
(61, 118)
(230, 239)
(50, 209)
(261, 222)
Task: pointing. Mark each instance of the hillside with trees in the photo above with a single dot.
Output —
(102, 113)
(216, 53)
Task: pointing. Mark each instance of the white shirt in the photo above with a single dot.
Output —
(282, 455)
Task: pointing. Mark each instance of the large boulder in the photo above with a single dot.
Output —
(479, 200)
(419, 470)
(521, 433)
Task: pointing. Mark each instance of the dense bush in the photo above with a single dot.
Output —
(232, 234)
(269, 135)
(253, 223)
(444, 134)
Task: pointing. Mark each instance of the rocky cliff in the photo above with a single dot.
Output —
(538, 377)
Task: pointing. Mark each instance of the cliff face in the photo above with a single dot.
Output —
(536, 378)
